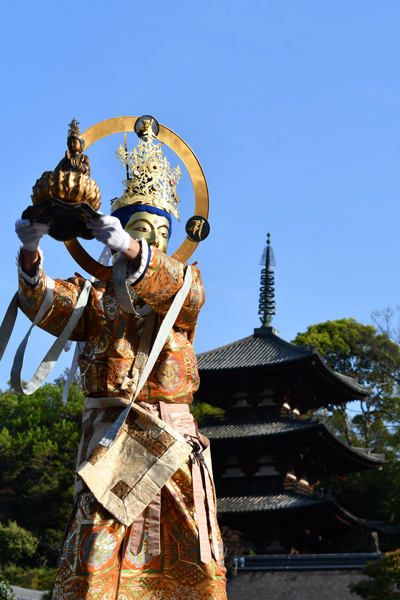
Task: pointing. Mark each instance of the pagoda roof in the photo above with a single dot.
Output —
(269, 428)
(264, 349)
(286, 427)
(252, 351)
(271, 504)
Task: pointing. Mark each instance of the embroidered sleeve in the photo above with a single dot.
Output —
(66, 293)
(160, 282)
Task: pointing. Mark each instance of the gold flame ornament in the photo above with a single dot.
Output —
(152, 180)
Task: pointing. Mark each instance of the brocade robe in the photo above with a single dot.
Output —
(111, 336)
(97, 561)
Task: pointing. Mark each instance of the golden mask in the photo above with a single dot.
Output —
(153, 228)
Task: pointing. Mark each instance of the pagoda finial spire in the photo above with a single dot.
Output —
(266, 307)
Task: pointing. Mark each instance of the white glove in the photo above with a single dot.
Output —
(30, 234)
(110, 232)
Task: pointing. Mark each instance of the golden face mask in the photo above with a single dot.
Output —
(153, 228)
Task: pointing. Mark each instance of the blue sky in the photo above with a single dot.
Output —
(292, 107)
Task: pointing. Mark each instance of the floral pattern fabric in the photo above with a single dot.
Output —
(112, 336)
(96, 562)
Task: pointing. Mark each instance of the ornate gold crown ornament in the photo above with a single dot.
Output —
(152, 180)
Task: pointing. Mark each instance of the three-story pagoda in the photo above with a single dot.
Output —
(268, 453)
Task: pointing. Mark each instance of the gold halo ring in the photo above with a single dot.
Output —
(185, 153)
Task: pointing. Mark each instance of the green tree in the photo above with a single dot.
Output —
(361, 352)
(38, 446)
(16, 546)
(385, 579)
(373, 359)
(6, 592)
(203, 411)
(15, 543)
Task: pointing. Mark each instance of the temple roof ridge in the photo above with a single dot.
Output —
(288, 426)
(266, 332)
(288, 500)
(268, 350)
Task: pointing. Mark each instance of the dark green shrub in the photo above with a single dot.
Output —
(385, 579)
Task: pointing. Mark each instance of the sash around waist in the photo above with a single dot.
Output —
(175, 415)
(125, 477)
(112, 401)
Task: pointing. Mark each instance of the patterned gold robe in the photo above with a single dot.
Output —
(96, 561)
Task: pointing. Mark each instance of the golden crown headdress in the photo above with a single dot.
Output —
(152, 180)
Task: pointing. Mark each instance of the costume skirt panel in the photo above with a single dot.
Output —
(96, 562)
(99, 560)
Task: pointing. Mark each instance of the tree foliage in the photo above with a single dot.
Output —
(16, 543)
(385, 579)
(6, 592)
(203, 411)
(372, 358)
(38, 446)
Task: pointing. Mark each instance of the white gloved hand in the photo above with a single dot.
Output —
(109, 231)
(30, 234)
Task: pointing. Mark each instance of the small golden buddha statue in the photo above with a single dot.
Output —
(70, 181)
(67, 197)
(74, 159)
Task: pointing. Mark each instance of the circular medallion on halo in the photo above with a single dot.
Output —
(197, 228)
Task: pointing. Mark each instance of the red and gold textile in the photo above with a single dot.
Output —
(112, 336)
(97, 562)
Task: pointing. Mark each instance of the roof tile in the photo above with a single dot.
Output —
(267, 350)
(245, 430)
(271, 502)
(253, 351)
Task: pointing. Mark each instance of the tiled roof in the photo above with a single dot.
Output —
(287, 501)
(291, 563)
(271, 502)
(246, 430)
(252, 351)
(352, 382)
(283, 426)
(268, 350)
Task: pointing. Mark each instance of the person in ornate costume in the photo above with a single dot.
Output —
(172, 549)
